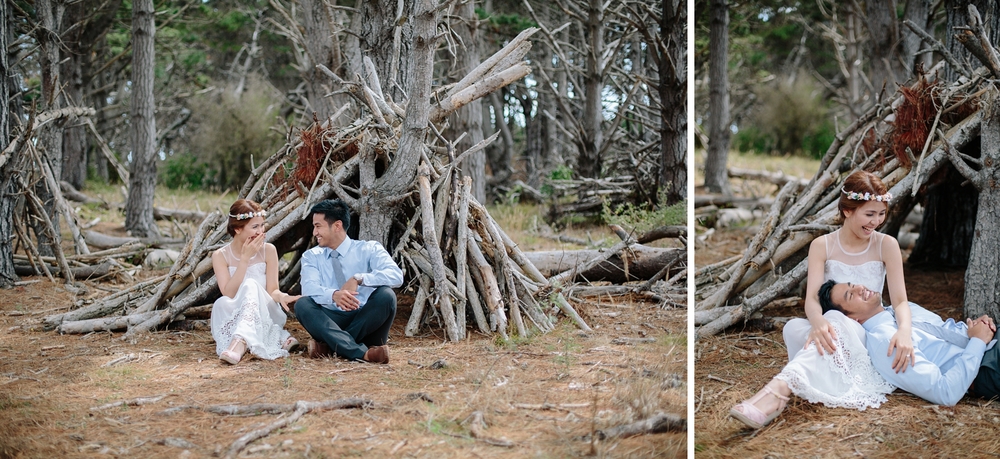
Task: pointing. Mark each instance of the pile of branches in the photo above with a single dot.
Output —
(903, 141)
(455, 254)
(492, 277)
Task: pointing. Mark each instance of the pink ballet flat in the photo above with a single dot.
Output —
(234, 354)
(750, 415)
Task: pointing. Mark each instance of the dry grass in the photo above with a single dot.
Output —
(794, 165)
(546, 394)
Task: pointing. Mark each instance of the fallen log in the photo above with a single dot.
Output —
(639, 263)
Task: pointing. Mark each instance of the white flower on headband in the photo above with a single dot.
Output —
(866, 196)
(248, 215)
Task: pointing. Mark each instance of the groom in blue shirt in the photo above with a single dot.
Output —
(347, 303)
(951, 358)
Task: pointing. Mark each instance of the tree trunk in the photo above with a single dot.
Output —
(643, 263)
(8, 186)
(982, 284)
(499, 154)
(946, 233)
(469, 118)
(74, 141)
(918, 11)
(50, 138)
(377, 208)
(532, 139)
(590, 141)
(377, 30)
(142, 181)
(320, 49)
(884, 31)
(673, 102)
(716, 178)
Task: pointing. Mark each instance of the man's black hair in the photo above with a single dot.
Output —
(333, 210)
(826, 297)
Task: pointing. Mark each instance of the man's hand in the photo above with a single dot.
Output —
(347, 299)
(982, 328)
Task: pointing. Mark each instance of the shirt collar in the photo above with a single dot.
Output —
(343, 249)
(878, 319)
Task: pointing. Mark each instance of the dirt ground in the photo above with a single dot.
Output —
(731, 367)
(544, 394)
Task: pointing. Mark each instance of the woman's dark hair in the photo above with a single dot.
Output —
(826, 297)
(333, 210)
(241, 206)
(859, 182)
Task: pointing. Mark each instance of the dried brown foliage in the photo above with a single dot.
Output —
(310, 154)
(914, 118)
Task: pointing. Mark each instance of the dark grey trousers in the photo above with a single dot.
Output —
(350, 333)
(987, 382)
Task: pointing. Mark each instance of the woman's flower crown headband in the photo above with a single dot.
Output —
(248, 215)
(855, 196)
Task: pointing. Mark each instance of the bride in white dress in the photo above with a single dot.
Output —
(828, 361)
(247, 316)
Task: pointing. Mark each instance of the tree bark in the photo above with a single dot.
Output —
(948, 226)
(673, 101)
(641, 264)
(8, 186)
(388, 42)
(958, 16)
(142, 181)
(716, 178)
(320, 48)
(376, 206)
(884, 31)
(469, 118)
(918, 11)
(590, 140)
(982, 284)
(50, 139)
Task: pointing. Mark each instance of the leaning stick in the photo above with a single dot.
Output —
(413, 324)
(752, 305)
(175, 271)
(39, 209)
(434, 252)
(64, 208)
(477, 306)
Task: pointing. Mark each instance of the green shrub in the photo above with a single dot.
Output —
(230, 130)
(645, 217)
(789, 119)
(185, 171)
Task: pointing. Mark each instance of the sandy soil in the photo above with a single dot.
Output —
(62, 396)
(732, 366)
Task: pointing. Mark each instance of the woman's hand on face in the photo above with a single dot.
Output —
(823, 335)
(251, 246)
(902, 342)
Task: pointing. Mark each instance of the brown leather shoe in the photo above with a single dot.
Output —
(318, 350)
(378, 354)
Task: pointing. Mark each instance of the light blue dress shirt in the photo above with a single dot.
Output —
(368, 258)
(942, 371)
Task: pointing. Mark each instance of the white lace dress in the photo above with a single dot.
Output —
(252, 314)
(846, 378)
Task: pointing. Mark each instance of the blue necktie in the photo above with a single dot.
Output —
(338, 270)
